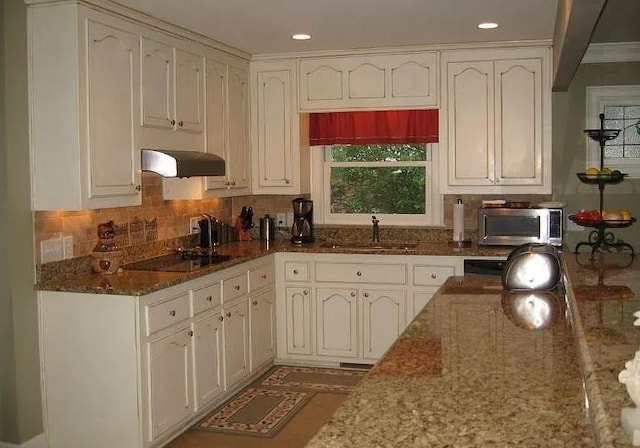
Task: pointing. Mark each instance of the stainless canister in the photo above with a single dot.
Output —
(267, 228)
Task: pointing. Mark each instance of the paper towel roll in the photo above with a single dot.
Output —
(458, 221)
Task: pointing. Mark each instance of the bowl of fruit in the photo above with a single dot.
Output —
(595, 218)
(595, 175)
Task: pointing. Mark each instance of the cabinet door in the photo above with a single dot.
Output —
(299, 320)
(236, 340)
(157, 84)
(113, 103)
(216, 116)
(171, 388)
(263, 328)
(274, 129)
(383, 319)
(207, 352)
(189, 101)
(470, 120)
(238, 161)
(337, 322)
(518, 151)
(420, 300)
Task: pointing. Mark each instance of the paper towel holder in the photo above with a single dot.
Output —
(461, 241)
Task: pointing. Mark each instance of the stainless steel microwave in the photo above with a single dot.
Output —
(516, 226)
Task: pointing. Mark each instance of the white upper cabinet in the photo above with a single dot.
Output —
(495, 121)
(369, 82)
(238, 159)
(172, 84)
(84, 106)
(216, 113)
(279, 134)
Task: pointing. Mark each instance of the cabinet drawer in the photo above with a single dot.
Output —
(234, 287)
(261, 276)
(167, 313)
(431, 275)
(296, 271)
(206, 298)
(361, 273)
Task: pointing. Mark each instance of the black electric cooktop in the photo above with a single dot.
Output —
(178, 262)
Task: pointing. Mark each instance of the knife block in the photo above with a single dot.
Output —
(243, 235)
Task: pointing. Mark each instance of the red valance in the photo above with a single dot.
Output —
(373, 127)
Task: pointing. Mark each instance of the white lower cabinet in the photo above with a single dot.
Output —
(383, 319)
(337, 322)
(351, 308)
(297, 321)
(236, 338)
(208, 351)
(263, 327)
(170, 384)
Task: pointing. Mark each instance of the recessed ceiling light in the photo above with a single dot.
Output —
(487, 25)
(300, 36)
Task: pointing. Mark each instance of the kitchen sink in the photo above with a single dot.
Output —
(369, 246)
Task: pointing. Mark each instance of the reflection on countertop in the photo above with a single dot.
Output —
(605, 293)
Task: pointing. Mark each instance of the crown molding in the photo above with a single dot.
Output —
(612, 52)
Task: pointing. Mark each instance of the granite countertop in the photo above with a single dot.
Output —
(468, 372)
(142, 282)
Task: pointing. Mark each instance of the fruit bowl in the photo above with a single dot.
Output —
(614, 177)
(593, 222)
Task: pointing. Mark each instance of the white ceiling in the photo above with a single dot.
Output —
(265, 26)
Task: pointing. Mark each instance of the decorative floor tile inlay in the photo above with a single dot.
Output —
(319, 379)
(256, 412)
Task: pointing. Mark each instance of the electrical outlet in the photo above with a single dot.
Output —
(194, 227)
(51, 250)
(281, 219)
(67, 247)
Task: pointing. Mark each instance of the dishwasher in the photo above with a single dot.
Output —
(484, 266)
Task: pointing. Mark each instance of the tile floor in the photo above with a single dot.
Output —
(296, 433)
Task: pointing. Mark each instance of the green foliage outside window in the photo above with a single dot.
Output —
(394, 189)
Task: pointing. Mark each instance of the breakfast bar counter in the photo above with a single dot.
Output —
(471, 371)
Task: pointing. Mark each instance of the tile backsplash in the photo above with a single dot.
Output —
(157, 220)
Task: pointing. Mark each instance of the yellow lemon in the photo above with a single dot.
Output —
(626, 215)
(591, 172)
(605, 170)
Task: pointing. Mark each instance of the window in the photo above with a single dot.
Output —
(621, 108)
(394, 182)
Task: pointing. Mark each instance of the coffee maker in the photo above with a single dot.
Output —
(302, 230)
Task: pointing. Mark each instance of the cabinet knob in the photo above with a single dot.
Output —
(190, 333)
(228, 184)
(180, 123)
(173, 122)
(353, 293)
(138, 187)
(228, 313)
(209, 298)
(498, 180)
(287, 181)
(366, 294)
(359, 274)
(264, 276)
(255, 303)
(433, 276)
(172, 313)
(295, 272)
(305, 292)
(221, 318)
(237, 287)
(233, 183)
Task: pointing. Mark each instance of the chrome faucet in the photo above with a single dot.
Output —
(376, 229)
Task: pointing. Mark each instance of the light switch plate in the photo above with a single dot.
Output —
(194, 226)
(51, 250)
(281, 219)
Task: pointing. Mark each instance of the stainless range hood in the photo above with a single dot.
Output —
(170, 163)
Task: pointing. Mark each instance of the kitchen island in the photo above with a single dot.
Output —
(467, 371)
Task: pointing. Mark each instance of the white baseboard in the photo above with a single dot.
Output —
(37, 442)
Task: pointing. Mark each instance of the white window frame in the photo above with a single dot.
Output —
(320, 194)
(597, 98)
